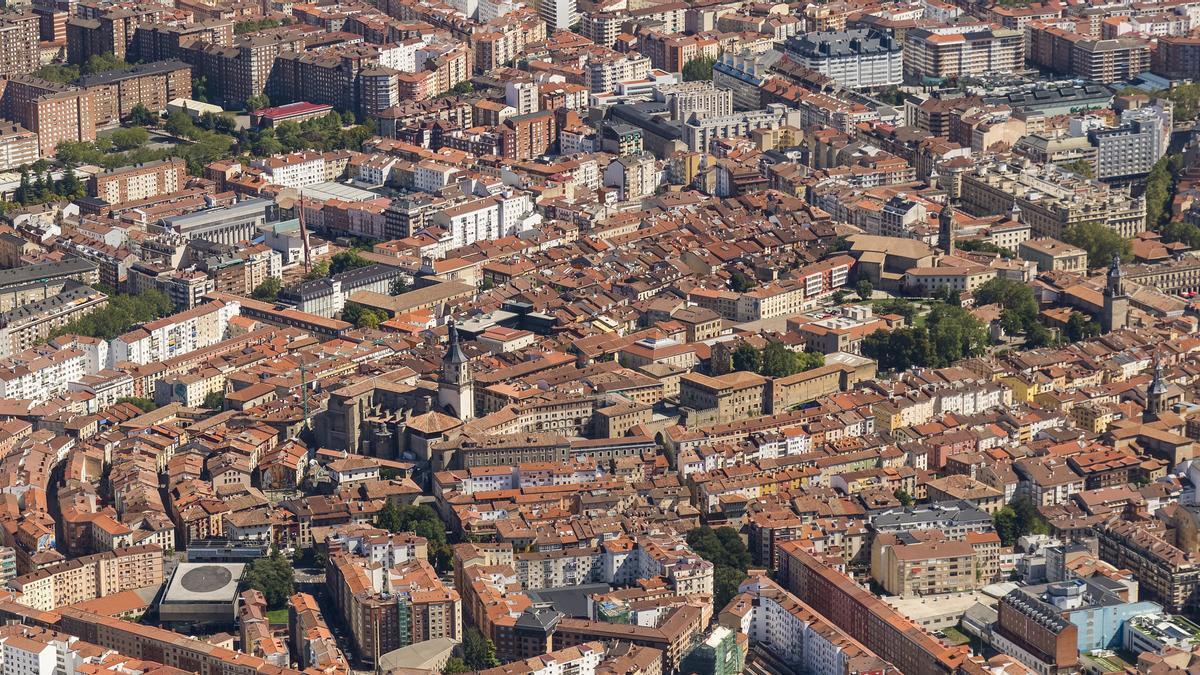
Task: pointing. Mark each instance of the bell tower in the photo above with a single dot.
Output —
(456, 391)
(1116, 303)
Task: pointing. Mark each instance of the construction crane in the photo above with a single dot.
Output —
(303, 230)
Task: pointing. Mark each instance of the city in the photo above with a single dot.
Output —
(599, 337)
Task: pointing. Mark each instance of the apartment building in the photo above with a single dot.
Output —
(791, 631)
(1036, 634)
(387, 608)
(28, 324)
(674, 635)
(700, 131)
(312, 641)
(1051, 200)
(152, 85)
(18, 146)
(140, 181)
(1177, 57)
(702, 98)
(864, 616)
(602, 73)
(907, 566)
(1165, 574)
(1053, 255)
(19, 33)
(55, 112)
(857, 59)
(175, 335)
(952, 52)
(1103, 61)
(1131, 149)
(39, 375)
(90, 577)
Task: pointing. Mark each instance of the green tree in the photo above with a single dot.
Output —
(1100, 242)
(70, 186)
(1079, 327)
(725, 585)
(1017, 519)
(122, 313)
(864, 289)
(722, 546)
(128, 139)
(955, 334)
(903, 496)
(464, 87)
(180, 124)
(740, 282)
(274, 577)
(253, 25)
(1080, 166)
(147, 405)
(1020, 306)
(257, 102)
(214, 400)
(141, 116)
(747, 358)
(422, 521)
(1160, 186)
(983, 247)
(699, 69)
(268, 290)
(318, 271)
(346, 261)
(478, 652)
(455, 665)
(779, 361)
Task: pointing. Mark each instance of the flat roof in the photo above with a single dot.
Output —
(204, 582)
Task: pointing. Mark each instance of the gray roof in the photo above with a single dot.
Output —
(29, 274)
(842, 43)
(956, 513)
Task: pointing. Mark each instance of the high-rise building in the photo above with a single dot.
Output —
(858, 59)
(18, 44)
(55, 112)
(558, 14)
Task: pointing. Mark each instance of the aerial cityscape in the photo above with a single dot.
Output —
(599, 337)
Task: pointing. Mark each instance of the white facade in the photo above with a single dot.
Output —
(34, 375)
(175, 335)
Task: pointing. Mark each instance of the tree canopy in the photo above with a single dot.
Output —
(274, 577)
(122, 313)
(422, 521)
(775, 360)
(478, 652)
(1100, 242)
(268, 290)
(697, 69)
(950, 333)
(1018, 519)
(724, 548)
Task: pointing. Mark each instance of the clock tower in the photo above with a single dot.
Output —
(456, 391)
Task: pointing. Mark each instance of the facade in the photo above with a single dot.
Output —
(1131, 149)
(55, 112)
(152, 85)
(857, 59)
(19, 34)
(957, 52)
(91, 577)
(141, 181)
(175, 335)
(18, 146)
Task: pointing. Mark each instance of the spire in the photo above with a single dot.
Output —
(1156, 394)
(454, 353)
(946, 230)
(1115, 285)
(1015, 214)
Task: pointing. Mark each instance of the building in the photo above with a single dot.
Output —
(18, 146)
(863, 616)
(292, 112)
(1177, 57)
(1131, 149)
(1115, 315)
(29, 323)
(152, 85)
(858, 59)
(91, 577)
(907, 566)
(230, 225)
(1036, 634)
(1165, 574)
(1050, 200)
(456, 391)
(19, 34)
(699, 131)
(558, 14)
(140, 181)
(725, 398)
(202, 326)
(946, 53)
(328, 296)
(55, 112)
(201, 594)
(1052, 255)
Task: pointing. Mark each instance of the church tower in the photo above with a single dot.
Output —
(946, 230)
(1116, 303)
(1156, 395)
(456, 392)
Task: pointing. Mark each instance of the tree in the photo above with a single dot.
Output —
(70, 186)
(257, 102)
(1080, 166)
(455, 665)
(699, 69)
(1079, 327)
(864, 289)
(1017, 519)
(346, 261)
(141, 116)
(253, 25)
(955, 334)
(268, 290)
(725, 585)
(399, 286)
(741, 282)
(147, 405)
(274, 577)
(478, 652)
(1017, 300)
(1100, 242)
(122, 313)
(1160, 185)
(779, 361)
(983, 246)
(722, 546)
(903, 496)
(464, 87)
(422, 521)
(318, 271)
(128, 139)
(747, 358)
(180, 124)
(215, 400)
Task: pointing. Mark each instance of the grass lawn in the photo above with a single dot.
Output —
(955, 637)
(277, 616)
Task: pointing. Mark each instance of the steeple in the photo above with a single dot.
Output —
(456, 390)
(1015, 214)
(1156, 395)
(1116, 303)
(946, 230)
